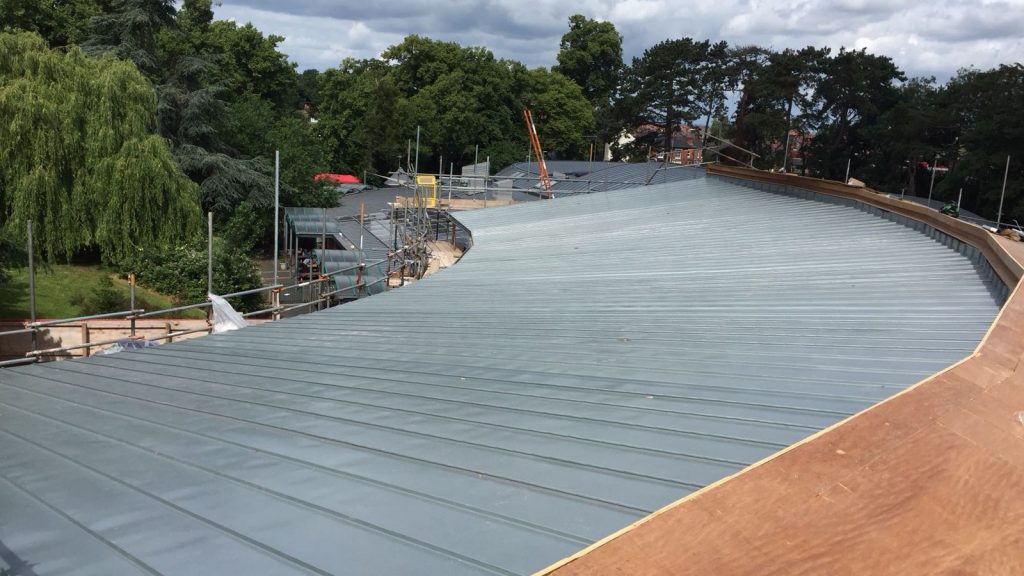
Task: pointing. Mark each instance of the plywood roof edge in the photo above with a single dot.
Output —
(978, 237)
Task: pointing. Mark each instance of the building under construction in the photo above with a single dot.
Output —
(729, 372)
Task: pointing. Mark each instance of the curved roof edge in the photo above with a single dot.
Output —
(925, 481)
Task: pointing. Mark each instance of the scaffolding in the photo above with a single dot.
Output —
(338, 278)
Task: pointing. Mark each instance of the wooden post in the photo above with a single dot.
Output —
(85, 338)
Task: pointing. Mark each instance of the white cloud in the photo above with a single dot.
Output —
(933, 38)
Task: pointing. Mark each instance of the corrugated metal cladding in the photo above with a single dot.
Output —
(590, 360)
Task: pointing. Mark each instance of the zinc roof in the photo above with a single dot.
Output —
(589, 360)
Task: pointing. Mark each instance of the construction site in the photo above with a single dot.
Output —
(610, 369)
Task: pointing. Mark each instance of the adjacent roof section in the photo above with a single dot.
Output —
(589, 360)
(576, 177)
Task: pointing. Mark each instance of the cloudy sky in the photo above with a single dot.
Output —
(924, 38)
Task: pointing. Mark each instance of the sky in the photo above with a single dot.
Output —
(934, 38)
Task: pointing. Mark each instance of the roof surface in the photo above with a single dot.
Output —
(589, 360)
(578, 177)
(926, 482)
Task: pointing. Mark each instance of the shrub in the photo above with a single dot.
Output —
(180, 271)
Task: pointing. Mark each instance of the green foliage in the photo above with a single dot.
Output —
(180, 271)
(195, 15)
(776, 95)
(81, 162)
(59, 23)
(857, 88)
(250, 225)
(67, 290)
(987, 108)
(591, 56)
(250, 63)
(257, 131)
(568, 118)
(663, 86)
(129, 31)
(102, 298)
(12, 252)
(459, 97)
(914, 128)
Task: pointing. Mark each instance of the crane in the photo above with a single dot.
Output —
(545, 180)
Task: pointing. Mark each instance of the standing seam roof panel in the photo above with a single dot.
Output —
(588, 361)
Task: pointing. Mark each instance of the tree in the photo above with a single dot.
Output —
(858, 88)
(565, 120)
(591, 56)
(358, 116)
(663, 86)
(60, 23)
(129, 31)
(81, 160)
(195, 15)
(987, 107)
(776, 86)
(913, 130)
(718, 74)
(247, 62)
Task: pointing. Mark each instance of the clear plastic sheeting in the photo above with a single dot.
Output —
(225, 318)
(128, 344)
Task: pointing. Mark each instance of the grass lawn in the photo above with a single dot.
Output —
(66, 291)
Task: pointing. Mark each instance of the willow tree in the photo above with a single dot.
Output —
(81, 160)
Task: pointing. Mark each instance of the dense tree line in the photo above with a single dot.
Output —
(847, 110)
(117, 111)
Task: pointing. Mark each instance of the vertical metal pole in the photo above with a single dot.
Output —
(1006, 174)
(451, 182)
(32, 286)
(847, 181)
(590, 169)
(785, 157)
(362, 214)
(476, 166)
(486, 178)
(277, 201)
(959, 197)
(417, 170)
(394, 228)
(131, 295)
(408, 155)
(209, 252)
(931, 185)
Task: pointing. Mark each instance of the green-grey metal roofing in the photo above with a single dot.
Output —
(589, 360)
(310, 222)
(348, 279)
